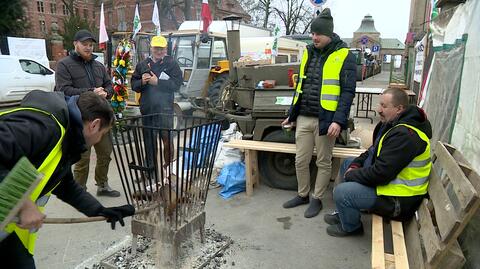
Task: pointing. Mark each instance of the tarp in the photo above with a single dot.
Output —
(455, 92)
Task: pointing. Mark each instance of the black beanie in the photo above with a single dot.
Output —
(323, 24)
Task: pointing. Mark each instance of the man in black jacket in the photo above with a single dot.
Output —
(390, 178)
(52, 131)
(78, 73)
(157, 78)
(320, 108)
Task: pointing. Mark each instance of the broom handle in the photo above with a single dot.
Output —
(89, 219)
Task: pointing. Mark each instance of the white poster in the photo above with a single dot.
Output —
(419, 60)
(29, 47)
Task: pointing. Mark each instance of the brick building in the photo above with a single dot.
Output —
(119, 13)
(42, 13)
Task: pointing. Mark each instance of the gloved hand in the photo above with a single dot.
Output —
(117, 213)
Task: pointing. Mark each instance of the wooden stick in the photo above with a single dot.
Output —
(90, 219)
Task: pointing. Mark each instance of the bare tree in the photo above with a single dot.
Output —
(260, 11)
(295, 15)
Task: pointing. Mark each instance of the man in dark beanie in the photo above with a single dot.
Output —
(320, 108)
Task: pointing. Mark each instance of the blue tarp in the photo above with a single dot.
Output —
(232, 178)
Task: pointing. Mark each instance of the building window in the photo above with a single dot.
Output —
(77, 12)
(85, 13)
(43, 26)
(40, 7)
(53, 8)
(93, 14)
(65, 10)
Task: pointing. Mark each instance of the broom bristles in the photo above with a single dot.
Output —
(15, 188)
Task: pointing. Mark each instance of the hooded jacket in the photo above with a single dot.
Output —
(400, 146)
(309, 100)
(33, 134)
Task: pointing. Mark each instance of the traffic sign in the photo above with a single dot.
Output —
(318, 3)
(375, 48)
(364, 40)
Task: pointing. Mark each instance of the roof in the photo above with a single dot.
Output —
(391, 43)
(367, 26)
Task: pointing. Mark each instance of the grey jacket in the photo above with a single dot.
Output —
(74, 75)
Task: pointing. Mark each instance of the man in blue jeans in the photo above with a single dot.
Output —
(390, 178)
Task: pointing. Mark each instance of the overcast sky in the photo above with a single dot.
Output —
(390, 16)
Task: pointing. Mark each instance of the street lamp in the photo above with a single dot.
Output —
(232, 23)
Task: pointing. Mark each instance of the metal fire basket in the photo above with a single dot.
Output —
(165, 163)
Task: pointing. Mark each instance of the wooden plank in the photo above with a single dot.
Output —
(465, 166)
(428, 234)
(399, 248)
(389, 261)
(454, 258)
(249, 168)
(255, 173)
(287, 148)
(378, 257)
(464, 190)
(445, 215)
(413, 244)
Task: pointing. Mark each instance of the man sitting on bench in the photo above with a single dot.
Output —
(390, 178)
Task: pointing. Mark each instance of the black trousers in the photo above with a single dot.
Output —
(14, 255)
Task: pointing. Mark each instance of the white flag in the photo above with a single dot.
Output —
(103, 36)
(156, 19)
(137, 25)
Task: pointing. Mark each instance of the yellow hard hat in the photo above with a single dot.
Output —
(158, 41)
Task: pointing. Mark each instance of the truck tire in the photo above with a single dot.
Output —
(216, 89)
(277, 170)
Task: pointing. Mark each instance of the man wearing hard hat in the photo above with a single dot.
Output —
(157, 78)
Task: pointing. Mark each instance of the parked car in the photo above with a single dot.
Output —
(20, 75)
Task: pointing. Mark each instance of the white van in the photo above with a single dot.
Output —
(20, 75)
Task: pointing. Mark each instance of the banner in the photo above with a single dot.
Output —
(419, 59)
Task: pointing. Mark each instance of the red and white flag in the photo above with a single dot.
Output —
(103, 36)
(206, 16)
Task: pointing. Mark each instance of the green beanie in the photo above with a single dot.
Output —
(323, 24)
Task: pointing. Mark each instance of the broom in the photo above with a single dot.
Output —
(15, 188)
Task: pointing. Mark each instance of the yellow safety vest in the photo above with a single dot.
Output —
(413, 179)
(46, 168)
(330, 91)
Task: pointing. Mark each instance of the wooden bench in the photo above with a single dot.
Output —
(251, 161)
(430, 239)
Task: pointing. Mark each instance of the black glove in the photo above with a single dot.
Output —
(117, 213)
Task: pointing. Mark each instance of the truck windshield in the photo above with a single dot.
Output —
(183, 50)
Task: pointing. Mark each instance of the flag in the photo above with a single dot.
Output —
(206, 16)
(137, 25)
(103, 36)
(156, 19)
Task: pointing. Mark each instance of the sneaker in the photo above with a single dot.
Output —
(337, 231)
(295, 201)
(107, 191)
(314, 208)
(332, 218)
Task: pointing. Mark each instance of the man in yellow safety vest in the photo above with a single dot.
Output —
(390, 178)
(52, 131)
(320, 108)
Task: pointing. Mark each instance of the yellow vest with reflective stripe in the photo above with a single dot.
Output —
(413, 179)
(47, 168)
(330, 91)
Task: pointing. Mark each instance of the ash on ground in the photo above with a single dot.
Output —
(213, 254)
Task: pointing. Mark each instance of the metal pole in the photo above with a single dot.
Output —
(233, 38)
